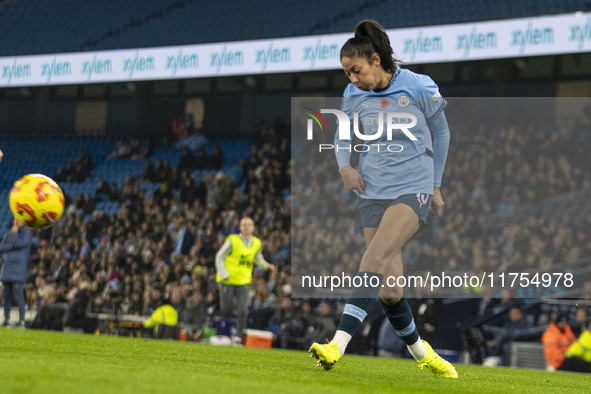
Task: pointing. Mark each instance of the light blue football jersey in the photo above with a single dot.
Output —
(402, 164)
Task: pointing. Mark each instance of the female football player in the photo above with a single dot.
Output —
(397, 182)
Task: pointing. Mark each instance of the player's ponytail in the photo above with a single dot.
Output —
(370, 37)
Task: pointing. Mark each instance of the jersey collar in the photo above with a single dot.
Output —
(392, 80)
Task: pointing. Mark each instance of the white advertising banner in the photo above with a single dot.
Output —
(561, 34)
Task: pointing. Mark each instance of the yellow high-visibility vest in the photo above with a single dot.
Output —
(239, 262)
(165, 315)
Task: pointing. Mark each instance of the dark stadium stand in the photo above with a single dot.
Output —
(512, 197)
(62, 149)
(496, 239)
(105, 25)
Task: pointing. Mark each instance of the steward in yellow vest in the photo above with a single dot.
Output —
(164, 316)
(235, 258)
(233, 264)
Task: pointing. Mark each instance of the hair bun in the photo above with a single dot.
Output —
(370, 37)
(361, 29)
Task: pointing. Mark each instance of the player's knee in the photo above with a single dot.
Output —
(390, 301)
(391, 296)
(376, 260)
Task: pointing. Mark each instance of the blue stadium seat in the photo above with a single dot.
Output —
(46, 26)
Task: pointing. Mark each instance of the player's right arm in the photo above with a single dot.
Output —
(220, 259)
(350, 176)
(352, 179)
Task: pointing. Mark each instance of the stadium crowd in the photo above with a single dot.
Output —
(488, 172)
(161, 246)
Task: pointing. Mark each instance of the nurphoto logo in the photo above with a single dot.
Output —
(377, 132)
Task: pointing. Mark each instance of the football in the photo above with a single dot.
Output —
(36, 201)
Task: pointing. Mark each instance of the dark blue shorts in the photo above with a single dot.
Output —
(370, 212)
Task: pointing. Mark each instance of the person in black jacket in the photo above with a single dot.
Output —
(15, 248)
(75, 317)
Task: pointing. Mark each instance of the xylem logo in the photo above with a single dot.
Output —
(272, 55)
(476, 40)
(182, 61)
(226, 58)
(394, 121)
(422, 44)
(55, 69)
(96, 66)
(580, 33)
(15, 71)
(532, 36)
(320, 52)
(138, 63)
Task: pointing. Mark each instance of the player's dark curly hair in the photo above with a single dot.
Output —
(370, 37)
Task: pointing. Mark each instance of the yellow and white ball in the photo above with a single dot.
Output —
(36, 201)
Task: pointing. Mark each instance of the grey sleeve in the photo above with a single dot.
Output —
(260, 260)
(440, 130)
(220, 258)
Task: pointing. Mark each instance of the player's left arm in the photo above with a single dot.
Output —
(352, 180)
(260, 261)
(432, 105)
(440, 129)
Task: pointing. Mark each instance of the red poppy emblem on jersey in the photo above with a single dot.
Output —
(384, 103)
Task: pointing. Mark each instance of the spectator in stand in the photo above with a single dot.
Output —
(194, 142)
(195, 312)
(122, 151)
(163, 170)
(216, 160)
(292, 322)
(85, 203)
(134, 149)
(153, 298)
(187, 160)
(135, 306)
(426, 312)
(323, 323)
(264, 305)
(184, 237)
(581, 322)
(175, 298)
(76, 171)
(178, 127)
(200, 161)
(114, 192)
(187, 191)
(149, 174)
(102, 192)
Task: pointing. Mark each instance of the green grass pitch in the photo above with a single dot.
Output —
(52, 362)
